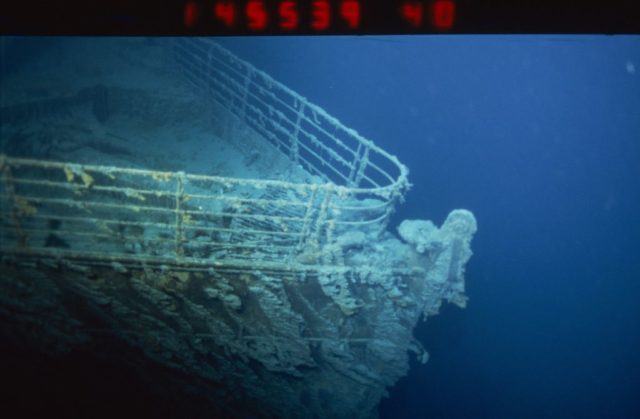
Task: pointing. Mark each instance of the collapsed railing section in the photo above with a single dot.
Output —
(124, 214)
(303, 131)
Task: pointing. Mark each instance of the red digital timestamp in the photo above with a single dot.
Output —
(441, 13)
(316, 15)
(257, 15)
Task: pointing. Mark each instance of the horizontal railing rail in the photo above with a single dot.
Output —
(108, 213)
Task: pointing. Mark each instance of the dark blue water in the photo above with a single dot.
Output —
(540, 138)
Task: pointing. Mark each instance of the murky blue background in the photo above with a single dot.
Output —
(540, 137)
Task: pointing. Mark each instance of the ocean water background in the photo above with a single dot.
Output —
(540, 137)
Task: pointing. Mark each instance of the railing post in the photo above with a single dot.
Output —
(306, 222)
(362, 165)
(180, 180)
(294, 150)
(7, 179)
(354, 165)
(245, 94)
(322, 213)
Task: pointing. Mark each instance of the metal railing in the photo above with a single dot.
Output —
(116, 215)
(303, 131)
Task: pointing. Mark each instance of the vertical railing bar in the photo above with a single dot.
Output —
(293, 152)
(179, 249)
(322, 213)
(354, 164)
(364, 162)
(7, 179)
(306, 224)
(245, 95)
